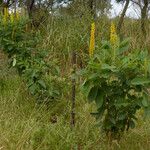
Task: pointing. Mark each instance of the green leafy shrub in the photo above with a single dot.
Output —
(44, 83)
(119, 87)
(30, 59)
(18, 44)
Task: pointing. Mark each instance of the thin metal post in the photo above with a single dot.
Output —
(73, 89)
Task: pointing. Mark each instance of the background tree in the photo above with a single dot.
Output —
(144, 6)
(120, 23)
(88, 8)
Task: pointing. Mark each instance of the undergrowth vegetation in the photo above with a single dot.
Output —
(26, 125)
(39, 76)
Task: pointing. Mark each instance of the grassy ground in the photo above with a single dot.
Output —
(25, 125)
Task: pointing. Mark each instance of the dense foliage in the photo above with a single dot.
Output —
(118, 86)
(31, 60)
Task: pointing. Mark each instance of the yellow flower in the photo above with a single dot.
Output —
(113, 35)
(92, 40)
(12, 18)
(6, 15)
(114, 40)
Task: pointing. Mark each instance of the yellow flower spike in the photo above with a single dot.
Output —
(6, 12)
(114, 40)
(12, 18)
(92, 40)
(113, 35)
(6, 15)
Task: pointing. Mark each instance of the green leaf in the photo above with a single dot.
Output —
(112, 120)
(94, 65)
(99, 99)
(146, 112)
(94, 76)
(14, 62)
(33, 88)
(122, 116)
(145, 103)
(140, 81)
(143, 54)
(132, 124)
(42, 83)
(145, 100)
(99, 114)
(121, 102)
(123, 49)
(92, 94)
(105, 45)
(108, 67)
(124, 46)
(86, 87)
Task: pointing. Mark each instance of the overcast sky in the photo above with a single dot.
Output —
(117, 8)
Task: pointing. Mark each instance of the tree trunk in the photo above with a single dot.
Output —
(30, 5)
(15, 7)
(144, 17)
(120, 23)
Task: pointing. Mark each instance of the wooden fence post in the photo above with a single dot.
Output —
(73, 98)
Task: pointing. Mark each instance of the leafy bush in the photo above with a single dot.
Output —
(29, 58)
(17, 43)
(119, 86)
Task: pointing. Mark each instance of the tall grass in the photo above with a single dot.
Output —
(25, 125)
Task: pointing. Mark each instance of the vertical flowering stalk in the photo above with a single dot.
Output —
(113, 35)
(114, 41)
(6, 15)
(92, 40)
(12, 18)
